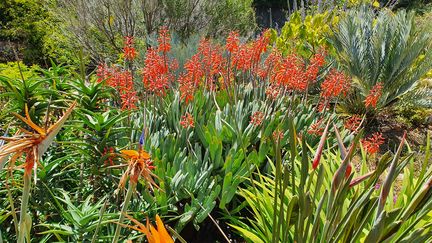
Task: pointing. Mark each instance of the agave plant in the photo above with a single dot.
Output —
(381, 49)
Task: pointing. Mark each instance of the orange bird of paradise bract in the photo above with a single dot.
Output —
(33, 144)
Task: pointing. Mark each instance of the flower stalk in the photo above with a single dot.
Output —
(23, 230)
(131, 189)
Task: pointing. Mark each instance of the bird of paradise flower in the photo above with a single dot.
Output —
(33, 145)
(139, 163)
(157, 234)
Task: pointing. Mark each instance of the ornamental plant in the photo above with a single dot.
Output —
(332, 203)
(385, 54)
(186, 139)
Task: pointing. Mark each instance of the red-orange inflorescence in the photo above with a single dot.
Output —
(257, 118)
(273, 91)
(373, 96)
(249, 55)
(373, 143)
(290, 73)
(353, 122)
(335, 84)
(212, 61)
(278, 135)
(129, 51)
(122, 81)
(294, 74)
(271, 64)
(316, 62)
(232, 42)
(187, 121)
(158, 69)
(323, 105)
(316, 128)
(164, 40)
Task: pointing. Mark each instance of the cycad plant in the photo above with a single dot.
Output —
(384, 53)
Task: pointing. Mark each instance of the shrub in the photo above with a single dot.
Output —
(306, 36)
(102, 34)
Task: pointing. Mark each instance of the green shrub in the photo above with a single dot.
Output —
(34, 32)
(306, 36)
(13, 70)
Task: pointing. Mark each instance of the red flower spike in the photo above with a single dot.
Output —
(278, 135)
(272, 92)
(129, 51)
(164, 40)
(232, 42)
(373, 143)
(122, 81)
(187, 121)
(353, 123)
(335, 84)
(257, 118)
(316, 128)
(373, 96)
(316, 62)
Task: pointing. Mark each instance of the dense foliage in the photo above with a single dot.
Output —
(242, 138)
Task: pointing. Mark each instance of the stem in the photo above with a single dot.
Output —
(11, 202)
(127, 199)
(24, 204)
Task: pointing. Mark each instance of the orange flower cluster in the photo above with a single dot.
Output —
(273, 60)
(207, 65)
(293, 73)
(232, 42)
(278, 135)
(353, 122)
(323, 105)
(316, 128)
(373, 96)
(164, 40)
(273, 92)
(187, 121)
(157, 72)
(257, 118)
(373, 143)
(212, 61)
(248, 55)
(316, 62)
(122, 81)
(335, 84)
(129, 51)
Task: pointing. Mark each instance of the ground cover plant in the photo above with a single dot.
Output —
(265, 139)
